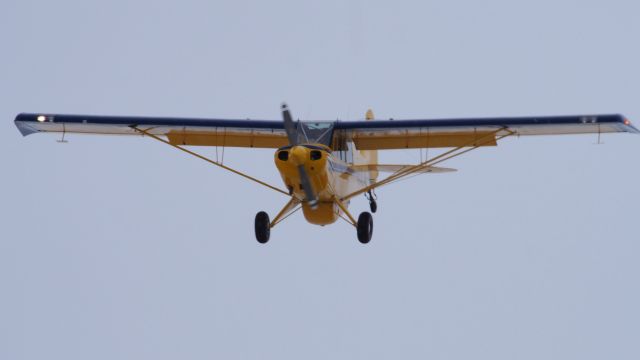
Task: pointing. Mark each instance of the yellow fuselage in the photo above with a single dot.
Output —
(330, 178)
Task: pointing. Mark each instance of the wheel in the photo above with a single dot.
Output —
(262, 226)
(373, 205)
(365, 227)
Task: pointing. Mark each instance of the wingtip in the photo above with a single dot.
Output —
(24, 128)
(627, 123)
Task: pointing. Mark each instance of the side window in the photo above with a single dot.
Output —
(349, 157)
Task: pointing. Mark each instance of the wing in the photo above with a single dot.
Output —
(367, 135)
(179, 131)
(404, 134)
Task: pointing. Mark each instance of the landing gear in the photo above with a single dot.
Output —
(373, 205)
(365, 227)
(263, 227)
(371, 196)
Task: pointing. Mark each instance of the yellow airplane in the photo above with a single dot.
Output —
(324, 164)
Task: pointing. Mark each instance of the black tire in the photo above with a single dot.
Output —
(373, 205)
(365, 227)
(262, 226)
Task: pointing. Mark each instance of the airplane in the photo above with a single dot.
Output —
(325, 164)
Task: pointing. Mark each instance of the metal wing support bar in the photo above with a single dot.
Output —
(155, 137)
(455, 152)
(291, 207)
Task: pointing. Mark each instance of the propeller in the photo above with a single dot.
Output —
(289, 126)
(292, 135)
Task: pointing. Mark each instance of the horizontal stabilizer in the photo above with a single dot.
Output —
(396, 168)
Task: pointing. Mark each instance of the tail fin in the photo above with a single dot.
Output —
(369, 115)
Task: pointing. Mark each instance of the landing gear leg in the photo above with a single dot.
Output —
(373, 205)
(365, 227)
(262, 227)
(371, 196)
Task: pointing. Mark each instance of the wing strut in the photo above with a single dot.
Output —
(411, 170)
(350, 219)
(146, 132)
(292, 206)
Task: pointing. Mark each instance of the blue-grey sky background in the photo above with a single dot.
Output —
(123, 248)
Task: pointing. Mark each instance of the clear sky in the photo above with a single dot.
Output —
(123, 248)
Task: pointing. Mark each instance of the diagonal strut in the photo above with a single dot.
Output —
(436, 160)
(146, 132)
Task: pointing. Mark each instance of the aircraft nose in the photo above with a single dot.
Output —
(298, 155)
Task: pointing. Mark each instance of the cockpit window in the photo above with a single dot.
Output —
(315, 132)
(283, 155)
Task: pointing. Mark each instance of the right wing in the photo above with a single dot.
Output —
(179, 131)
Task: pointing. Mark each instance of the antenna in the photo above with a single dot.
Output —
(598, 142)
(64, 131)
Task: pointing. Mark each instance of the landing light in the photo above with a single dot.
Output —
(42, 118)
(627, 122)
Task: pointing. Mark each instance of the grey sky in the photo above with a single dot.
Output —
(122, 248)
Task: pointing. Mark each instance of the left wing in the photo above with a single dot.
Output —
(179, 131)
(407, 134)
(462, 135)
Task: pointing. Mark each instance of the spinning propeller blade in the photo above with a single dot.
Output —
(289, 126)
(292, 135)
(307, 187)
